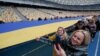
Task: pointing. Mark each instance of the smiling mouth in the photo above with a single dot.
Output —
(74, 41)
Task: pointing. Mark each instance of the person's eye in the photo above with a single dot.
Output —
(75, 36)
(78, 38)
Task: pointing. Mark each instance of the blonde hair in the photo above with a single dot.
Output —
(87, 37)
(64, 32)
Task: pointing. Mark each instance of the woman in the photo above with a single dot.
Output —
(61, 33)
(59, 36)
(97, 19)
(76, 45)
(92, 27)
(80, 25)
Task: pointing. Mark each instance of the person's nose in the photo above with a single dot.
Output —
(75, 38)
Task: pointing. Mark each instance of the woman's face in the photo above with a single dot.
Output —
(77, 38)
(60, 31)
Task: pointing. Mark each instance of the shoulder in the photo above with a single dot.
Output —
(52, 37)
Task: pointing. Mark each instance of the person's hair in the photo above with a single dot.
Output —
(91, 21)
(64, 32)
(80, 23)
(62, 29)
(87, 37)
(95, 17)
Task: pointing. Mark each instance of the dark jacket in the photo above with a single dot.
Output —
(72, 50)
(98, 25)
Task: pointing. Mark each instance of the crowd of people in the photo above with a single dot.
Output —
(75, 44)
(90, 24)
